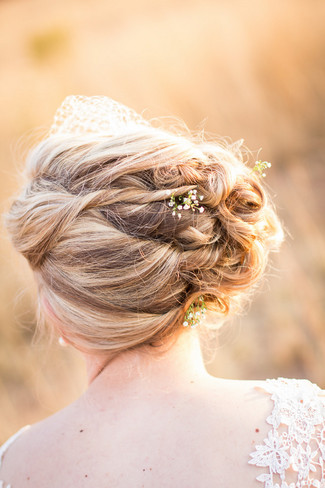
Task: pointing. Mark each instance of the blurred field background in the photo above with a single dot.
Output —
(250, 69)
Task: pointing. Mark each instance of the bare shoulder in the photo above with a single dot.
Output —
(211, 428)
(244, 406)
(217, 423)
(242, 399)
(289, 448)
(33, 446)
(266, 424)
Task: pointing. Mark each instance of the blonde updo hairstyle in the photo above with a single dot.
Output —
(114, 267)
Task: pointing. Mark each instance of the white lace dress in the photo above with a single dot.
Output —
(293, 453)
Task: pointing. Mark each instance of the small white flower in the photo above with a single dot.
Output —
(179, 215)
(201, 197)
(196, 202)
(170, 204)
(185, 323)
(174, 213)
(263, 174)
(179, 207)
(201, 209)
(186, 207)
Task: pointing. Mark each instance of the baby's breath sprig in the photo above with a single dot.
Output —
(195, 313)
(185, 202)
(260, 167)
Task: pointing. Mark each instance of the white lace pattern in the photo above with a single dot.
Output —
(81, 115)
(294, 451)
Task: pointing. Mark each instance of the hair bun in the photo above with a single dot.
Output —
(116, 267)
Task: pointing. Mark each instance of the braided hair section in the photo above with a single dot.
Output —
(115, 267)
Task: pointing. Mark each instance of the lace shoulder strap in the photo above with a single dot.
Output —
(8, 443)
(293, 454)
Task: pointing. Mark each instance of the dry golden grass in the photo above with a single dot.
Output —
(252, 70)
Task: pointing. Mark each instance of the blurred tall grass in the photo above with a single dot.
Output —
(252, 70)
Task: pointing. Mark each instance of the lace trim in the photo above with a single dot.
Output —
(295, 446)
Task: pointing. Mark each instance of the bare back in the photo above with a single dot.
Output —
(201, 436)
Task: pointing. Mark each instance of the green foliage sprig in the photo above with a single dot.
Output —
(190, 201)
(195, 313)
(260, 167)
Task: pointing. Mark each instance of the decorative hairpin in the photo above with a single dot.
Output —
(182, 202)
(195, 313)
(260, 167)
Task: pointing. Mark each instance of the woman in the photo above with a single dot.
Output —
(132, 233)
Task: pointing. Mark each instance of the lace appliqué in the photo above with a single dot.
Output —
(81, 115)
(295, 446)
